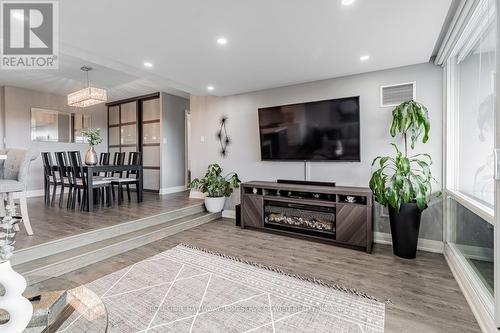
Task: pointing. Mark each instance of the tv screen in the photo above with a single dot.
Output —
(315, 131)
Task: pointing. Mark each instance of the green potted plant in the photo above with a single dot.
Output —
(403, 182)
(216, 187)
(94, 138)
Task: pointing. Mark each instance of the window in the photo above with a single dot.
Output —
(470, 143)
(471, 117)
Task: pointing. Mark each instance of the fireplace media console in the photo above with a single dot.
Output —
(332, 214)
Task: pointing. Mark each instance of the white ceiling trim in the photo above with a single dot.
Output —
(462, 16)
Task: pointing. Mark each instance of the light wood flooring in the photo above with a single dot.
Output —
(425, 296)
(51, 223)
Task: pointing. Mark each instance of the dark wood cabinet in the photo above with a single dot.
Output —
(351, 224)
(332, 214)
(134, 125)
(253, 214)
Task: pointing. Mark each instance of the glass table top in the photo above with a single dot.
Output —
(65, 306)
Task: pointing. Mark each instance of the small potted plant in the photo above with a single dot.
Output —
(13, 301)
(94, 138)
(403, 182)
(216, 187)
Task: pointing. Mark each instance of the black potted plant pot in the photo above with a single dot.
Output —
(405, 226)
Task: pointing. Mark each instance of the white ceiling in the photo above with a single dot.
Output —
(271, 42)
(69, 78)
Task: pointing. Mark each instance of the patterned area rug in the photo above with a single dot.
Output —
(189, 290)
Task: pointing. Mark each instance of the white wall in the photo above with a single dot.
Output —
(173, 157)
(18, 103)
(242, 126)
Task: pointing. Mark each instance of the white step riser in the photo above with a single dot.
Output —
(68, 243)
(71, 264)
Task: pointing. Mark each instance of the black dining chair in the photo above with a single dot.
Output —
(63, 170)
(118, 159)
(131, 177)
(50, 178)
(79, 181)
(104, 160)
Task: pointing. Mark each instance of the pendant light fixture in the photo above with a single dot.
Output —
(87, 96)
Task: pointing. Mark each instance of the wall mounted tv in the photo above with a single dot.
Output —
(315, 131)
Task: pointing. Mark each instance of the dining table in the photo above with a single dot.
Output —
(91, 170)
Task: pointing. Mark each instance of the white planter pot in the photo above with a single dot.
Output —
(215, 205)
(19, 308)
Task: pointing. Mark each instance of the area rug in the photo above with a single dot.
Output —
(186, 289)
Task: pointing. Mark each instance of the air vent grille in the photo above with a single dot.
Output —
(396, 94)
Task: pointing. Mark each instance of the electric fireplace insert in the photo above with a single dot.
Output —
(300, 218)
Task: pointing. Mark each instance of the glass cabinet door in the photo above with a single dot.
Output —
(135, 126)
(114, 115)
(151, 133)
(122, 127)
(128, 135)
(151, 109)
(128, 113)
(114, 136)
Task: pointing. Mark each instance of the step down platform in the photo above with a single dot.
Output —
(58, 257)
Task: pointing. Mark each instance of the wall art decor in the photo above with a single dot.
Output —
(223, 137)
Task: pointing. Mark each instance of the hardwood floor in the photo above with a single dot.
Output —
(425, 297)
(51, 223)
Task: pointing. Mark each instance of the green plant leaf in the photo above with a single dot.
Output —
(402, 178)
(399, 180)
(383, 160)
(214, 184)
(411, 118)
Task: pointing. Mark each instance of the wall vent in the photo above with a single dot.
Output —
(395, 94)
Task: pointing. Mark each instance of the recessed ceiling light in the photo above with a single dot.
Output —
(347, 2)
(222, 41)
(364, 58)
(148, 64)
(210, 88)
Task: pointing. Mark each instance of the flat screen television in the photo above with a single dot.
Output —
(315, 131)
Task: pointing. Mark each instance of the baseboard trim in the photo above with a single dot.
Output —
(174, 189)
(229, 214)
(473, 298)
(427, 245)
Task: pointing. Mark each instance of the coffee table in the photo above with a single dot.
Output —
(65, 306)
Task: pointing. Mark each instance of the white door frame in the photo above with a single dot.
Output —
(497, 176)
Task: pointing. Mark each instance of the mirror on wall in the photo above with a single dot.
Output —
(56, 126)
(79, 123)
(50, 125)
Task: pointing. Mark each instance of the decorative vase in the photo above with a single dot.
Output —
(19, 308)
(91, 156)
(405, 226)
(215, 205)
